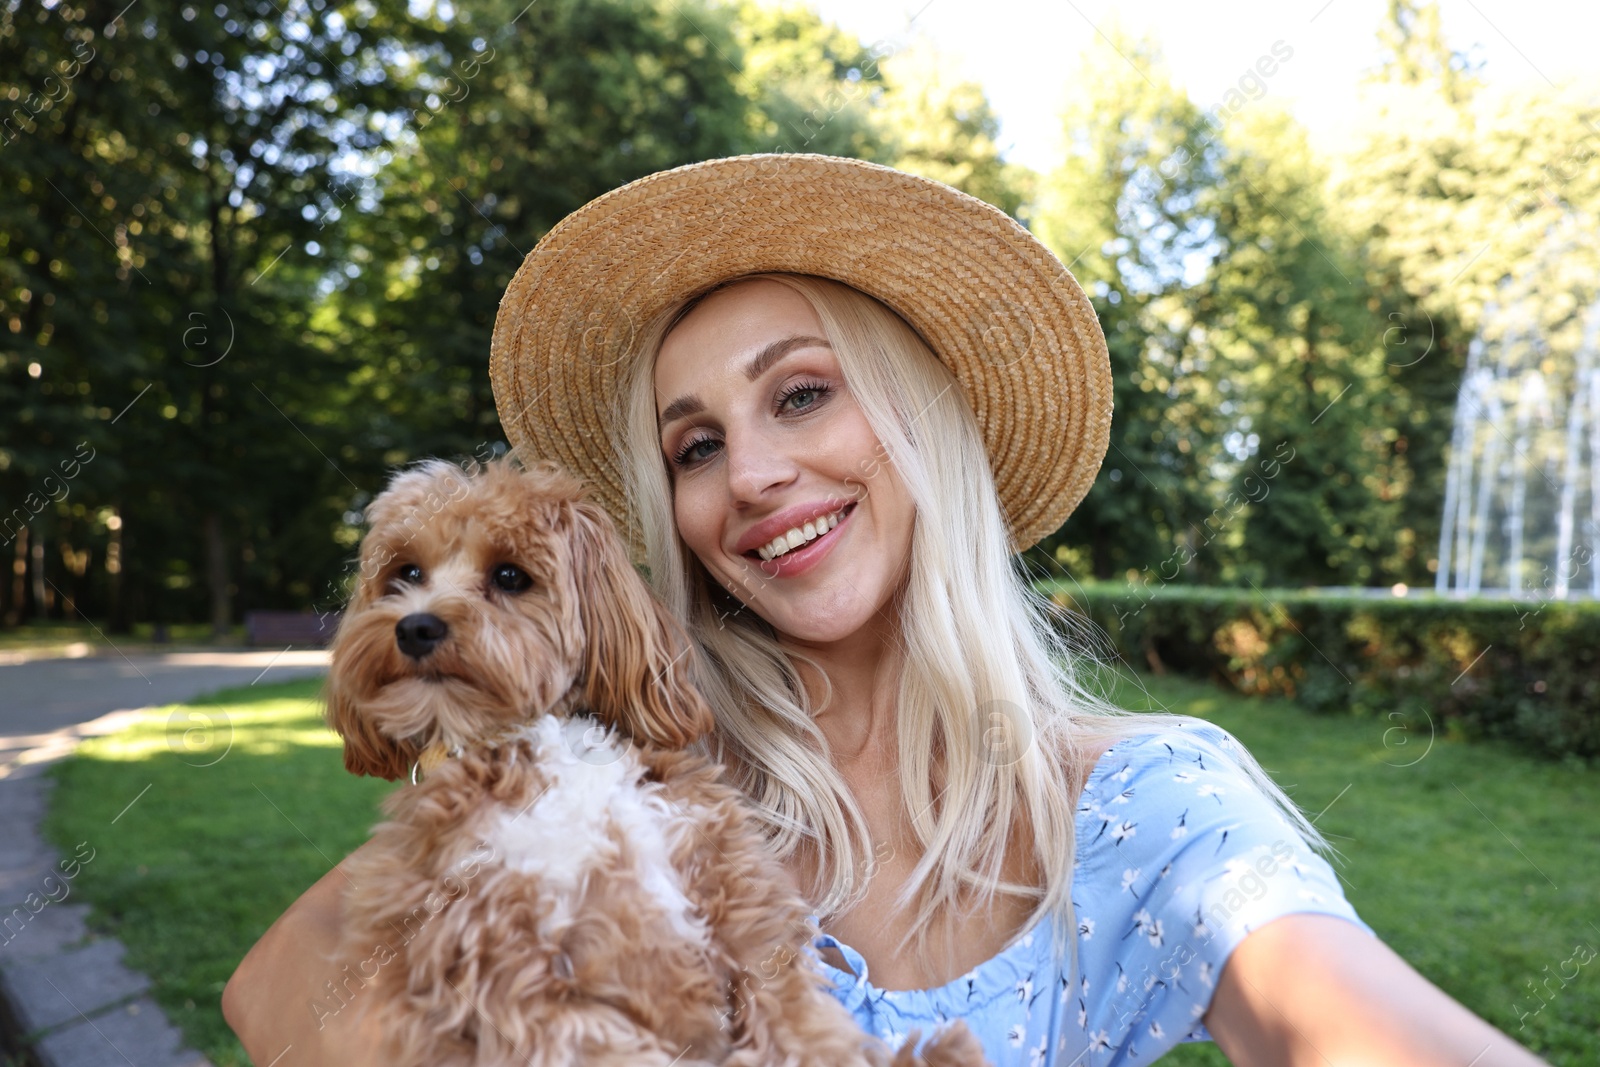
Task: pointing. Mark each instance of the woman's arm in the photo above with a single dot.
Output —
(278, 1000)
(1317, 991)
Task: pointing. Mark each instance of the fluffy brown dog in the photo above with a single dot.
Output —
(573, 887)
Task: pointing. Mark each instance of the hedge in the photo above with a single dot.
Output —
(1524, 670)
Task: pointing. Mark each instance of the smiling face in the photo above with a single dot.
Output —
(762, 437)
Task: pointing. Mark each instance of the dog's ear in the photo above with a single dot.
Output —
(366, 751)
(636, 656)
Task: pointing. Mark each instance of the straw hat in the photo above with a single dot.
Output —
(990, 300)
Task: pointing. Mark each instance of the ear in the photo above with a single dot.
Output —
(636, 656)
(366, 751)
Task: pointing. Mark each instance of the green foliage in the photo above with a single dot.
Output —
(1243, 330)
(1463, 198)
(250, 261)
(815, 86)
(1299, 331)
(1259, 303)
(547, 112)
(943, 128)
(250, 257)
(1524, 671)
(158, 259)
(1415, 52)
(1124, 212)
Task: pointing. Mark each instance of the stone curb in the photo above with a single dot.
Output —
(66, 997)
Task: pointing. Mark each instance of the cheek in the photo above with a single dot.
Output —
(894, 516)
(890, 498)
(850, 450)
(695, 518)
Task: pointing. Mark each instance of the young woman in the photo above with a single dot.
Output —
(828, 487)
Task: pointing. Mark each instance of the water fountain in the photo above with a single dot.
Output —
(1522, 493)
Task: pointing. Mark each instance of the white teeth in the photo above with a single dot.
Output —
(798, 536)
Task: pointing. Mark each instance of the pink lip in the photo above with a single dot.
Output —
(793, 564)
(789, 518)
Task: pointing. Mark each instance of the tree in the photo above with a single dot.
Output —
(1301, 330)
(1251, 436)
(815, 87)
(208, 144)
(942, 127)
(1459, 194)
(1125, 213)
(1415, 52)
(251, 256)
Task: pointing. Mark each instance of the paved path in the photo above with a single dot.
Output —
(48, 705)
(64, 992)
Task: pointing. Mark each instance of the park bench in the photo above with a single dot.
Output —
(289, 627)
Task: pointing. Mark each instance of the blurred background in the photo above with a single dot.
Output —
(251, 255)
(1344, 252)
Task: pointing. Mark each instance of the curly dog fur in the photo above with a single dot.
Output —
(574, 887)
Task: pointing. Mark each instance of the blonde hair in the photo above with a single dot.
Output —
(979, 686)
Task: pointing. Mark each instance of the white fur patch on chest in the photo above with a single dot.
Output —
(594, 791)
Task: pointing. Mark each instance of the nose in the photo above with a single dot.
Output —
(756, 464)
(418, 634)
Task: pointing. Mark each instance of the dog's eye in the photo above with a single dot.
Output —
(409, 573)
(509, 577)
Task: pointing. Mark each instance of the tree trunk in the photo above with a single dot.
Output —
(216, 548)
(116, 610)
(217, 575)
(19, 571)
(41, 593)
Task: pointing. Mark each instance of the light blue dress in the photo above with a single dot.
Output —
(1179, 856)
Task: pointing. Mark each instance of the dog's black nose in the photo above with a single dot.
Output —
(418, 634)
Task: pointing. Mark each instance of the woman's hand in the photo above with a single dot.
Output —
(279, 1001)
(1308, 989)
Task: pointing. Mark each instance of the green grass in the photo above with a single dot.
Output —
(209, 856)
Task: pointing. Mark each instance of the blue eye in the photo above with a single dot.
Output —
(686, 457)
(798, 388)
(681, 457)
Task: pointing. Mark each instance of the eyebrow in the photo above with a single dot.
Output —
(692, 405)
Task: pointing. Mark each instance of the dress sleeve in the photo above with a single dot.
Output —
(1202, 858)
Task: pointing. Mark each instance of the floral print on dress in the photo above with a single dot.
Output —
(1180, 857)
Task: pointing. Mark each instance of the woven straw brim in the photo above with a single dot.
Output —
(990, 300)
